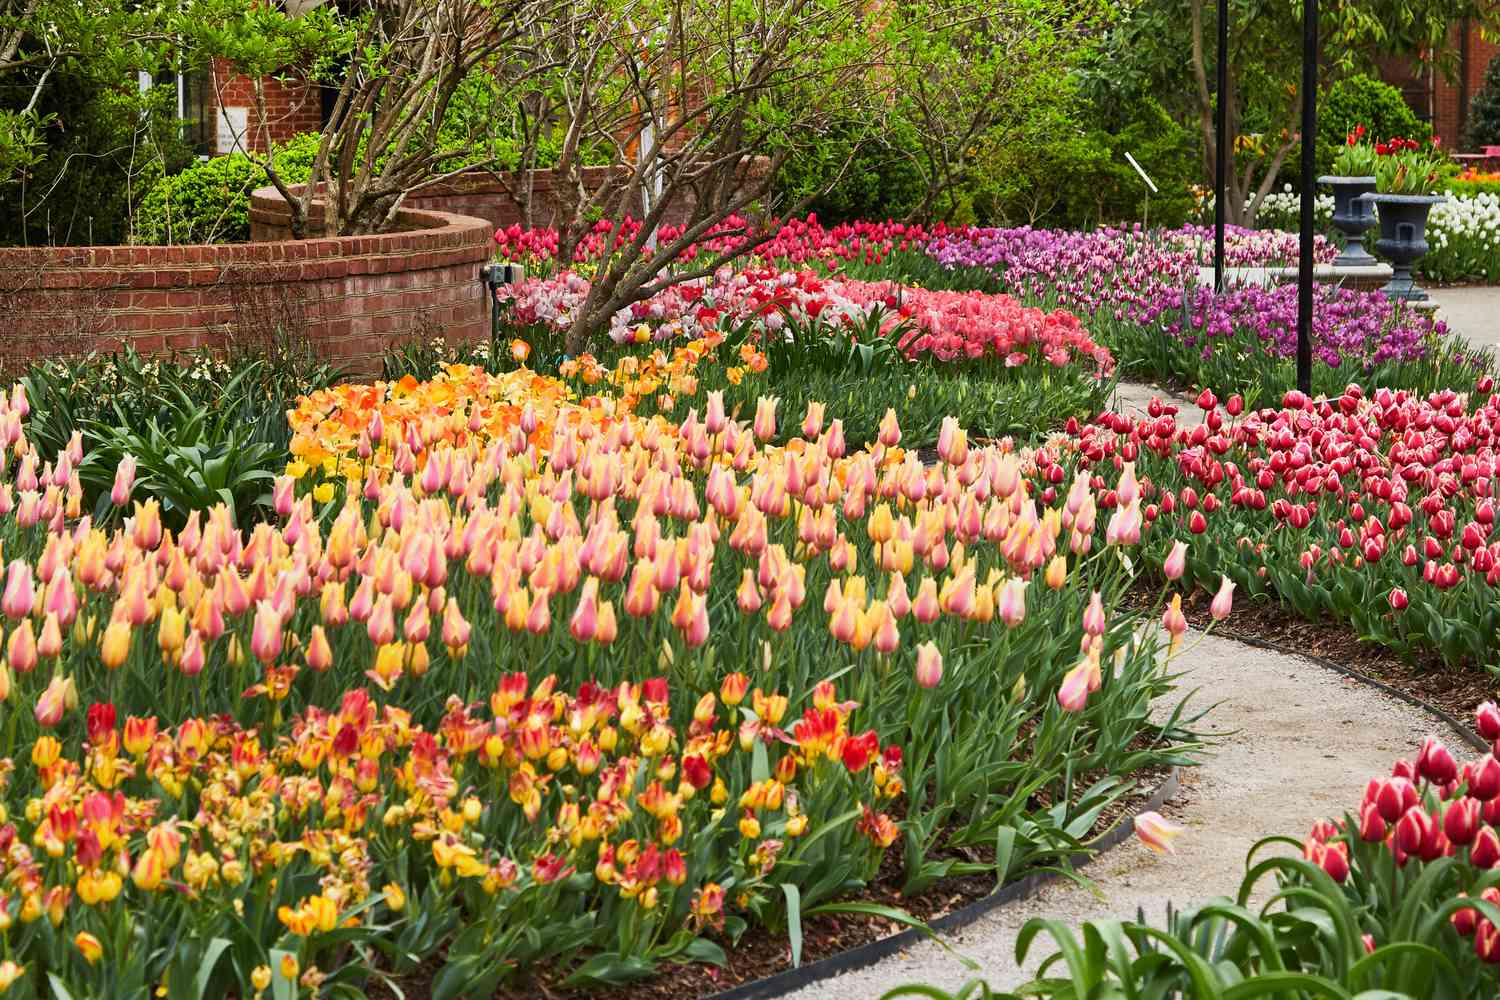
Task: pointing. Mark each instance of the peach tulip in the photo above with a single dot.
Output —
(1073, 695)
(929, 665)
(265, 635)
(1157, 832)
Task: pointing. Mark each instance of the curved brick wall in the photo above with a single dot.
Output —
(351, 296)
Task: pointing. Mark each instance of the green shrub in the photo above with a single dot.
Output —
(1483, 127)
(197, 423)
(102, 149)
(871, 177)
(1070, 171)
(209, 202)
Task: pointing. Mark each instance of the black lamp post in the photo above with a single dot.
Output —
(1309, 147)
(1221, 147)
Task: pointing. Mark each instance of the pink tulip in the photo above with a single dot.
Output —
(282, 495)
(124, 481)
(929, 665)
(715, 419)
(585, 620)
(765, 417)
(1093, 616)
(1176, 561)
(890, 429)
(1173, 620)
(1223, 601)
(812, 424)
(265, 635)
(20, 594)
(925, 608)
(54, 701)
(1012, 603)
(1073, 695)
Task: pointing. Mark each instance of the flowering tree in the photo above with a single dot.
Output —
(683, 99)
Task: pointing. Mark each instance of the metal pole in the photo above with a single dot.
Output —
(1309, 147)
(1221, 147)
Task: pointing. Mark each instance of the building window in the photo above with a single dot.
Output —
(195, 106)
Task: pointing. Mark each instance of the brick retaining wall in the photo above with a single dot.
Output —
(351, 296)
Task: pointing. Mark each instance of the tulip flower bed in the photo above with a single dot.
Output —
(519, 687)
(1377, 510)
(858, 347)
(1142, 298)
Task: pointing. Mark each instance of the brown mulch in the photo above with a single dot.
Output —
(1426, 677)
(759, 953)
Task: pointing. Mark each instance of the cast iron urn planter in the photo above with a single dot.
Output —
(1352, 215)
(1403, 232)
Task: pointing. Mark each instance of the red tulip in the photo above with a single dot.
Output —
(1435, 763)
(1461, 821)
(1487, 721)
(1487, 942)
(1395, 797)
(1464, 920)
(1414, 830)
(1486, 850)
(1484, 778)
(1398, 599)
(1371, 825)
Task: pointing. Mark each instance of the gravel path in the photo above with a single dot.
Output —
(1297, 743)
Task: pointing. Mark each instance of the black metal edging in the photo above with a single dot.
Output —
(1465, 732)
(781, 983)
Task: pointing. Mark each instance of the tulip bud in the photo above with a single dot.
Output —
(1487, 721)
(1398, 599)
(1464, 920)
(1413, 830)
(1487, 942)
(1435, 763)
(1461, 821)
(1176, 561)
(1073, 695)
(1223, 601)
(1371, 825)
(1484, 778)
(929, 665)
(1485, 853)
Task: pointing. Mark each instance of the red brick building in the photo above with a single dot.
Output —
(221, 106)
(1439, 100)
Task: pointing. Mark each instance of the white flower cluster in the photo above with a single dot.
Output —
(1466, 219)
